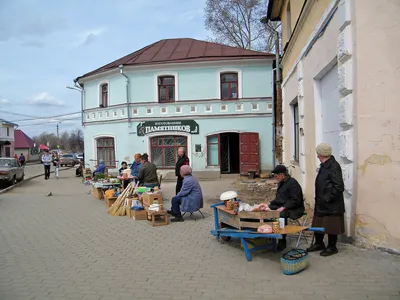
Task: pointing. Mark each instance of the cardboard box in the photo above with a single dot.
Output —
(149, 199)
(136, 215)
(97, 193)
(109, 200)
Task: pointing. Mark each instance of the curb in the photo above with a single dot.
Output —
(3, 191)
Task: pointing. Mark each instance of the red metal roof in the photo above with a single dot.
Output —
(22, 141)
(179, 51)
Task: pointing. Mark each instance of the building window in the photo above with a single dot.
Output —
(296, 132)
(212, 150)
(229, 86)
(164, 150)
(8, 131)
(166, 89)
(104, 95)
(106, 151)
(8, 151)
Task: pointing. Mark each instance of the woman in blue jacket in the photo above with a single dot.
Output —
(190, 197)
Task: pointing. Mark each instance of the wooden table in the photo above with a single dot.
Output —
(230, 227)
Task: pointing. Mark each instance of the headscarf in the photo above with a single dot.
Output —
(324, 149)
(101, 161)
(186, 170)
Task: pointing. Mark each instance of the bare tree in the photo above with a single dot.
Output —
(72, 141)
(237, 23)
(76, 140)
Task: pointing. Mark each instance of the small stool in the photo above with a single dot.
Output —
(158, 218)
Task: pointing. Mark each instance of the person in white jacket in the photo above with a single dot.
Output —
(46, 160)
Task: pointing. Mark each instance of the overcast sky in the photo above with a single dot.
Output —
(45, 44)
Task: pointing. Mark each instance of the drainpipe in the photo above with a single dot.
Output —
(265, 20)
(277, 82)
(273, 126)
(121, 70)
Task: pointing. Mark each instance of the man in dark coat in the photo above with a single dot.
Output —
(148, 173)
(182, 160)
(329, 201)
(288, 200)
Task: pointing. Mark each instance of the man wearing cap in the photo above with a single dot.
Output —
(289, 198)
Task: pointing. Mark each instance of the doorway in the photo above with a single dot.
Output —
(230, 153)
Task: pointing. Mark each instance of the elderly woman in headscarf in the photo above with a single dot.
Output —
(100, 168)
(189, 198)
(329, 202)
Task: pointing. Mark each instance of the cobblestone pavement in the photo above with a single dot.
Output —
(67, 247)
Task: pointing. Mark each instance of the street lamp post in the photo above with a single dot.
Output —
(79, 89)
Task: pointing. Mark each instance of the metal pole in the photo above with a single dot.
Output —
(57, 132)
(278, 71)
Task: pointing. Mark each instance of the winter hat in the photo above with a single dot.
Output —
(324, 149)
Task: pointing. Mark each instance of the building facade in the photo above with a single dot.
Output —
(214, 100)
(23, 144)
(340, 85)
(6, 138)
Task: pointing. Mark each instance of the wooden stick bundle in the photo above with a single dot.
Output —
(118, 208)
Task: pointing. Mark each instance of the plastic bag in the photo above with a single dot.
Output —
(264, 229)
(244, 207)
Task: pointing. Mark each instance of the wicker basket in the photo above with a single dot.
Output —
(294, 261)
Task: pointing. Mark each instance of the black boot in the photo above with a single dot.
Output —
(281, 244)
(331, 249)
(319, 243)
(177, 219)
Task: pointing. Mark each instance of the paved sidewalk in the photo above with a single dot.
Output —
(68, 247)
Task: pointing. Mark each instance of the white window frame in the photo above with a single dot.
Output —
(99, 92)
(104, 135)
(240, 81)
(162, 74)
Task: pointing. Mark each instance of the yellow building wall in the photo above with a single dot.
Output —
(295, 9)
(315, 14)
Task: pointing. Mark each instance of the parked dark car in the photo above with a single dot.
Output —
(68, 160)
(11, 171)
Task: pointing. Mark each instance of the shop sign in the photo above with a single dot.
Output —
(186, 126)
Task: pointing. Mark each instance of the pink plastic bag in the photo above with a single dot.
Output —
(264, 229)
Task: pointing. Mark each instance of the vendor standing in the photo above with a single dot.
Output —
(124, 166)
(182, 161)
(329, 201)
(288, 200)
(136, 166)
(148, 173)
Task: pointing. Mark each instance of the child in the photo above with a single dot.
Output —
(55, 164)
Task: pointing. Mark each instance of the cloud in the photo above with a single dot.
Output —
(33, 28)
(88, 37)
(4, 101)
(33, 43)
(45, 99)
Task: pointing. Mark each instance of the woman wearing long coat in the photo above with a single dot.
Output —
(329, 202)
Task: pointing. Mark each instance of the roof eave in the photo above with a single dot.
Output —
(115, 70)
(274, 10)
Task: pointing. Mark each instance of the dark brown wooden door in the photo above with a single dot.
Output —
(249, 152)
